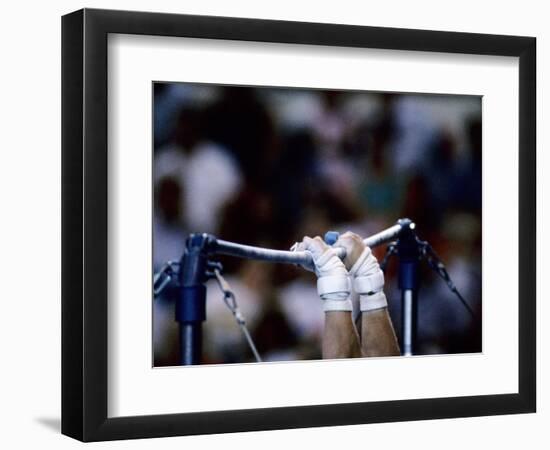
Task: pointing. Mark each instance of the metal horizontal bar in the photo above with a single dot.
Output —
(303, 257)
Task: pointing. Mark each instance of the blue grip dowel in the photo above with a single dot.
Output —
(331, 237)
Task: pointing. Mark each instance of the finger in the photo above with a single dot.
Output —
(319, 242)
(353, 237)
(343, 241)
(300, 247)
(315, 245)
(347, 234)
(346, 242)
(354, 246)
(303, 245)
(308, 242)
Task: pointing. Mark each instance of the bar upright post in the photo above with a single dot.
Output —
(191, 301)
(408, 253)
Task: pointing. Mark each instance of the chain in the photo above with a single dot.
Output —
(164, 276)
(437, 265)
(231, 302)
(391, 250)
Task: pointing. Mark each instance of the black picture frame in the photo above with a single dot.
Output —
(84, 224)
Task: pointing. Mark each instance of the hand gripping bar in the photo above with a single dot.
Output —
(219, 246)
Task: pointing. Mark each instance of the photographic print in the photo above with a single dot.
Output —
(334, 209)
(369, 202)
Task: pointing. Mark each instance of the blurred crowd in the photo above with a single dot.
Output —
(267, 166)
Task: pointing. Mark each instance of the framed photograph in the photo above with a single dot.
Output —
(272, 224)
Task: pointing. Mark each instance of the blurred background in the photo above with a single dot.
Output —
(267, 166)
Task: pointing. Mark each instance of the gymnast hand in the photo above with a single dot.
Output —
(368, 278)
(333, 282)
(340, 337)
(377, 333)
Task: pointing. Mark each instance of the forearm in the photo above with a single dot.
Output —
(340, 337)
(377, 334)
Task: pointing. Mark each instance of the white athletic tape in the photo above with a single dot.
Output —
(333, 287)
(337, 305)
(369, 284)
(328, 260)
(371, 302)
(366, 264)
(364, 255)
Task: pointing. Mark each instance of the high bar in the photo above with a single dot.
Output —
(303, 258)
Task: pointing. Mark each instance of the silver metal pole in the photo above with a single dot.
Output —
(408, 321)
(302, 258)
(385, 236)
(190, 343)
(261, 254)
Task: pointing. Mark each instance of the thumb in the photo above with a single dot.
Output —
(354, 247)
(316, 246)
